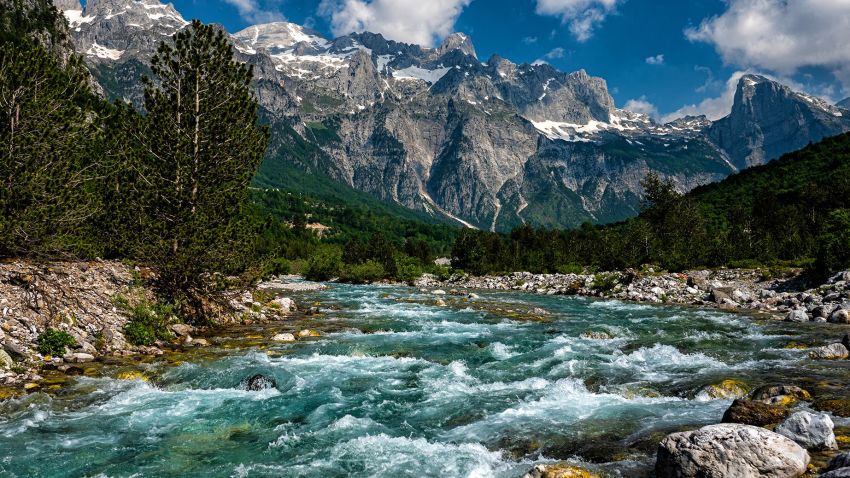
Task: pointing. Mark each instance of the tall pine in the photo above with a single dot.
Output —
(200, 147)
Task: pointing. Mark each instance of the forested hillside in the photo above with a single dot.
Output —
(790, 211)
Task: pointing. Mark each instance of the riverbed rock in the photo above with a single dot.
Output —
(830, 352)
(841, 460)
(285, 304)
(723, 390)
(839, 407)
(775, 394)
(79, 357)
(6, 360)
(559, 470)
(810, 430)
(257, 383)
(595, 335)
(840, 316)
(752, 412)
(797, 315)
(839, 473)
(181, 330)
(308, 333)
(721, 294)
(730, 450)
(283, 338)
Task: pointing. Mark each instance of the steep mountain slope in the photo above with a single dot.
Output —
(769, 119)
(487, 144)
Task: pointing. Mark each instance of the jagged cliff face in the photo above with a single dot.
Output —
(769, 119)
(489, 144)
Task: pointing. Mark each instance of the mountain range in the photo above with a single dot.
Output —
(488, 144)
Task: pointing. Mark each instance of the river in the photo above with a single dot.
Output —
(401, 387)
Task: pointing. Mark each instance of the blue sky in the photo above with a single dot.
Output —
(664, 57)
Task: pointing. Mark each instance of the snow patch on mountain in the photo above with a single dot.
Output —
(417, 73)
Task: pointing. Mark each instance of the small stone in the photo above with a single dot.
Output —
(769, 392)
(595, 335)
(309, 333)
(723, 390)
(440, 303)
(284, 338)
(439, 292)
(200, 343)
(181, 330)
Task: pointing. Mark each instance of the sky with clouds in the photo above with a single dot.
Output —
(661, 57)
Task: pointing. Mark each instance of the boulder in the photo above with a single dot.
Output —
(841, 460)
(751, 412)
(6, 360)
(839, 473)
(257, 383)
(810, 430)
(79, 357)
(284, 338)
(181, 330)
(769, 393)
(719, 294)
(840, 316)
(559, 470)
(830, 352)
(285, 304)
(797, 315)
(730, 450)
(724, 390)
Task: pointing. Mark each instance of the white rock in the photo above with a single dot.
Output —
(809, 430)
(284, 338)
(730, 450)
(285, 303)
(797, 315)
(439, 292)
(830, 352)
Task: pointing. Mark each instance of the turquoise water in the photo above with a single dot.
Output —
(404, 388)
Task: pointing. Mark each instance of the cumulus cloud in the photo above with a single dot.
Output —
(655, 60)
(555, 53)
(412, 21)
(641, 105)
(581, 15)
(781, 35)
(253, 11)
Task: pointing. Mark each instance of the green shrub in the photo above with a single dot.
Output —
(53, 342)
(365, 273)
(571, 268)
(408, 269)
(275, 267)
(149, 323)
(324, 264)
(604, 282)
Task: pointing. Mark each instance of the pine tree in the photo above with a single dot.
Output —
(49, 134)
(201, 146)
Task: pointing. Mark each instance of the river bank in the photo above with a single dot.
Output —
(92, 302)
(790, 297)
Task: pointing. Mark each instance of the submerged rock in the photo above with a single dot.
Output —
(751, 412)
(812, 431)
(730, 450)
(595, 335)
(830, 352)
(839, 407)
(559, 470)
(257, 383)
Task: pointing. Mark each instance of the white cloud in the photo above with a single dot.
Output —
(254, 12)
(529, 40)
(555, 53)
(655, 60)
(412, 21)
(641, 105)
(781, 35)
(582, 15)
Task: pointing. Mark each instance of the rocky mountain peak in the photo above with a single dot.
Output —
(280, 36)
(457, 41)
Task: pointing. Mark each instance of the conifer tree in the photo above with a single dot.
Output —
(201, 146)
(48, 168)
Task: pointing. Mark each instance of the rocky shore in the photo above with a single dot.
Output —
(789, 297)
(92, 302)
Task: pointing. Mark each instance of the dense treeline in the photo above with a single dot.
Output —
(795, 210)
